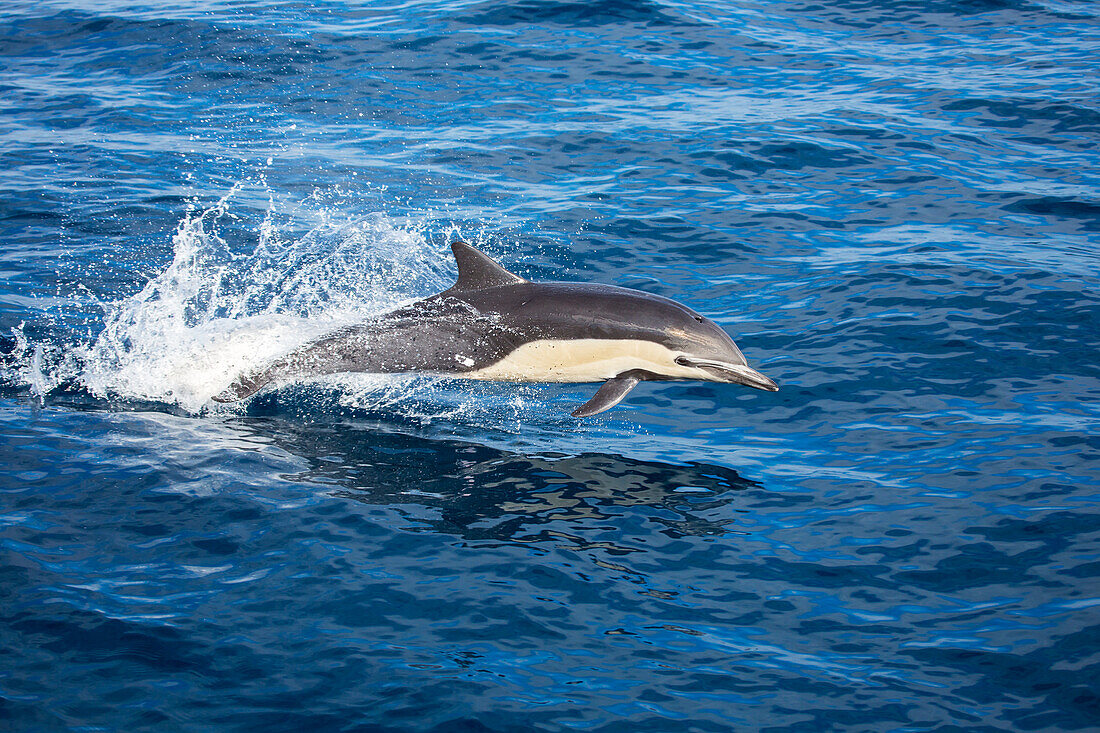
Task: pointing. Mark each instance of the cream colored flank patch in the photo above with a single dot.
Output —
(584, 360)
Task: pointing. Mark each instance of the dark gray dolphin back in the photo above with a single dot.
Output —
(581, 310)
(569, 311)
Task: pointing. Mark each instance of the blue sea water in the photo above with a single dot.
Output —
(893, 206)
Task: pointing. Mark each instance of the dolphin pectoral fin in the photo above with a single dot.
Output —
(607, 396)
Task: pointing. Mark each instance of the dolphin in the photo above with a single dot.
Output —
(495, 325)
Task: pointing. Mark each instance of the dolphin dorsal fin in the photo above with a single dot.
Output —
(477, 272)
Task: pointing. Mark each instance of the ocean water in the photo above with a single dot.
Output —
(893, 207)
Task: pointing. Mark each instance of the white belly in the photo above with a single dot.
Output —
(582, 360)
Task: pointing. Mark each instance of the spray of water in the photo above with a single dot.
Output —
(237, 295)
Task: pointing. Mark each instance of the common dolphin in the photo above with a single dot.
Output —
(495, 325)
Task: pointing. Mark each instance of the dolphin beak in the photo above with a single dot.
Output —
(736, 373)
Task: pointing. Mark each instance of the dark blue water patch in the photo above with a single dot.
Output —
(1064, 208)
(1059, 116)
(903, 18)
(576, 14)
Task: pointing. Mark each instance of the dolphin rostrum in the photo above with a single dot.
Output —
(495, 325)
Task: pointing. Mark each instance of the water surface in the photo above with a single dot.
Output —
(892, 206)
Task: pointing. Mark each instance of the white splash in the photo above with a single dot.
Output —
(215, 312)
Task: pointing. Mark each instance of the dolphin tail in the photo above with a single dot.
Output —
(244, 386)
(607, 396)
(344, 350)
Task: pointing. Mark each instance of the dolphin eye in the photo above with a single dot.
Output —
(683, 361)
(698, 318)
